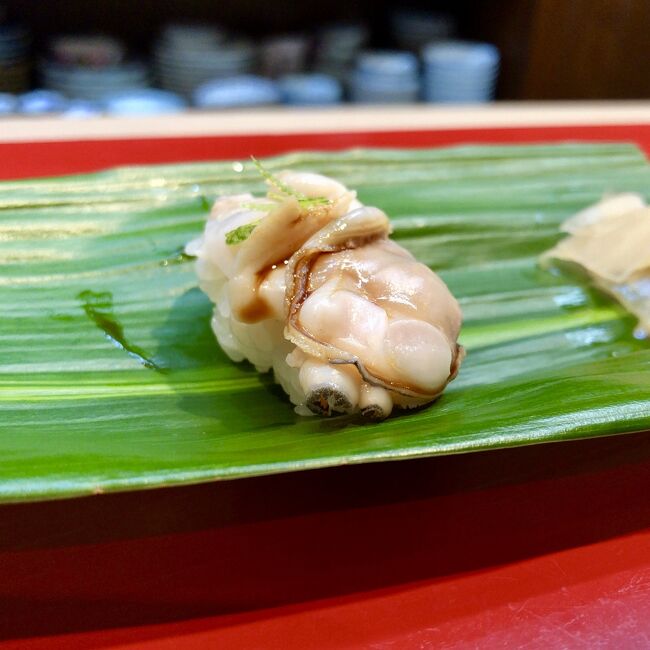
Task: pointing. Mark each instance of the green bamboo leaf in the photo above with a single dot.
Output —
(110, 378)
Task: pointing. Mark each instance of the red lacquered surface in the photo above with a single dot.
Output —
(51, 158)
(539, 547)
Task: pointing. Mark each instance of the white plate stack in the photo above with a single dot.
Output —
(412, 29)
(337, 48)
(385, 77)
(14, 59)
(150, 101)
(237, 92)
(187, 56)
(313, 89)
(40, 102)
(460, 72)
(90, 67)
(8, 103)
(284, 54)
(84, 82)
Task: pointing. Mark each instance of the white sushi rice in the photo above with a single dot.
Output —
(262, 344)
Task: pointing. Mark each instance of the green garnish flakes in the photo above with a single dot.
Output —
(284, 190)
(238, 235)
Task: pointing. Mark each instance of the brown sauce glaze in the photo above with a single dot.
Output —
(257, 309)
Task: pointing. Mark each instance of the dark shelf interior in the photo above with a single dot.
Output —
(551, 49)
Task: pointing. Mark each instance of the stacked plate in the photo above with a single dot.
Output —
(84, 82)
(284, 54)
(337, 48)
(237, 92)
(385, 77)
(39, 102)
(82, 108)
(460, 72)
(88, 50)
(149, 101)
(8, 103)
(188, 56)
(14, 59)
(313, 89)
(411, 29)
(183, 36)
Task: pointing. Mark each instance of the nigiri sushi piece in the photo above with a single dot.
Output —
(306, 283)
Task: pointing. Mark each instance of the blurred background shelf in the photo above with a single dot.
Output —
(521, 50)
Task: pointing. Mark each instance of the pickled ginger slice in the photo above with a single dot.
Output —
(611, 242)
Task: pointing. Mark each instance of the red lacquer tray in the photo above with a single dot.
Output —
(540, 547)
